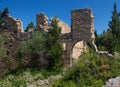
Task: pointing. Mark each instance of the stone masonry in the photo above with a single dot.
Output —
(65, 28)
(82, 22)
(42, 22)
(13, 24)
(82, 29)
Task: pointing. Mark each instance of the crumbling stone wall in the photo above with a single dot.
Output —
(42, 22)
(13, 24)
(82, 29)
(64, 27)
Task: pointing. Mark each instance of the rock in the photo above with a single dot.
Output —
(117, 54)
(104, 54)
(113, 82)
(28, 85)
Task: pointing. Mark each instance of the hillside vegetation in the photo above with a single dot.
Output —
(90, 71)
(110, 39)
(39, 60)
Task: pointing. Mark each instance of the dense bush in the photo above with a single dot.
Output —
(90, 71)
(44, 49)
(20, 77)
(34, 50)
(3, 36)
(3, 17)
(3, 50)
(35, 45)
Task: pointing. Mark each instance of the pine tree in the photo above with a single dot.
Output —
(55, 49)
(0, 19)
(3, 15)
(30, 26)
(5, 12)
(114, 25)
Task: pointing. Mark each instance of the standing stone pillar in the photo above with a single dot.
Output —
(82, 26)
(42, 22)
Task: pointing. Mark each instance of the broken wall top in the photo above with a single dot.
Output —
(13, 24)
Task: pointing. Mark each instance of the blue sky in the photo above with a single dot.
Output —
(26, 10)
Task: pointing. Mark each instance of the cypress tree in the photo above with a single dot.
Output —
(114, 25)
(55, 49)
(30, 26)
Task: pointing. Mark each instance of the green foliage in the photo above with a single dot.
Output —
(114, 24)
(35, 45)
(3, 16)
(90, 71)
(44, 46)
(55, 49)
(20, 78)
(110, 40)
(68, 83)
(1, 19)
(30, 26)
(3, 36)
(3, 50)
(34, 50)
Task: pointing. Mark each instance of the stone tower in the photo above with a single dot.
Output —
(42, 22)
(82, 26)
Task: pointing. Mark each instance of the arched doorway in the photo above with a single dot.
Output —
(78, 48)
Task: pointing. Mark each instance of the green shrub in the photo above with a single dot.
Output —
(35, 45)
(20, 77)
(3, 36)
(69, 83)
(90, 71)
(34, 50)
(3, 51)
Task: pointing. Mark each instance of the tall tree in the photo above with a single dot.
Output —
(0, 19)
(5, 12)
(114, 25)
(55, 49)
(3, 15)
(30, 26)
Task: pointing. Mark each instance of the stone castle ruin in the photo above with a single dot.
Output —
(82, 29)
